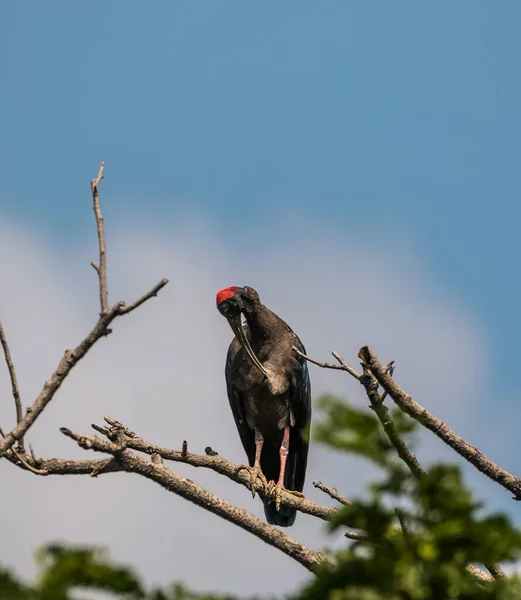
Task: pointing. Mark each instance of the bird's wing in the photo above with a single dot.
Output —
(237, 400)
(300, 399)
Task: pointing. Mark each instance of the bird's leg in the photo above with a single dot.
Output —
(275, 490)
(255, 471)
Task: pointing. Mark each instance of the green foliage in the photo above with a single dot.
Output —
(68, 567)
(444, 530)
(65, 569)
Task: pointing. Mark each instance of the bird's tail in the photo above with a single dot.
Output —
(284, 517)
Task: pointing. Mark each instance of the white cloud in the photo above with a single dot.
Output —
(161, 373)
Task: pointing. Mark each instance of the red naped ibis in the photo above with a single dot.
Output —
(270, 397)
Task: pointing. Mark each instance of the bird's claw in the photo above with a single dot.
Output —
(274, 490)
(255, 473)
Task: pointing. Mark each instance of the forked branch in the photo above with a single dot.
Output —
(438, 427)
(72, 357)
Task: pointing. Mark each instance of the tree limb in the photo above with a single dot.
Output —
(331, 492)
(438, 427)
(14, 383)
(101, 269)
(496, 571)
(215, 463)
(370, 383)
(343, 366)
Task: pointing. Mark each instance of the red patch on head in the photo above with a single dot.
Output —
(226, 293)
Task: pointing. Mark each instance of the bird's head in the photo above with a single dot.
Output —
(231, 303)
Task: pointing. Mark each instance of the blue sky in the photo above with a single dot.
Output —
(364, 116)
(390, 124)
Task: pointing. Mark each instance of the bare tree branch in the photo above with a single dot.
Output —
(496, 571)
(14, 383)
(479, 574)
(343, 366)
(357, 536)
(71, 357)
(331, 492)
(132, 463)
(101, 269)
(215, 463)
(438, 427)
(370, 383)
(125, 309)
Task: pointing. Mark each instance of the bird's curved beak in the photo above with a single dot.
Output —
(237, 328)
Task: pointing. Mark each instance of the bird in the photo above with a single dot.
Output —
(269, 392)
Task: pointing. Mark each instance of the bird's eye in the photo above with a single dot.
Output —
(226, 310)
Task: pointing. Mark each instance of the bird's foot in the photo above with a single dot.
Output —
(255, 473)
(274, 490)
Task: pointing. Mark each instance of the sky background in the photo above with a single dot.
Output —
(357, 163)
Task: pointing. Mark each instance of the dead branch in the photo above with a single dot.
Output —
(121, 440)
(132, 463)
(343, 366)
(331, 492)
(101, 329)
(438, 427)
(14, 383)
(496, 571)
(215, 463)
(370, 383)
(101, 269)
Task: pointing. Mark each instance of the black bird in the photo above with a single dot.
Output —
(270, 397)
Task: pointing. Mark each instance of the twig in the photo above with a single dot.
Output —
(132, 463)
(438, 427)
(26, 464)
(343, 366)
(356, 535)
(101, 269)
(125, 309)
(331, 492)
(479, 574)
(402, 521)
(496, 571)
(117, 462)
(33, 456)
(14, 383)
(390, 369)
(116, 425)
(370, 383)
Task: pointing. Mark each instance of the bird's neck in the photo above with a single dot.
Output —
(261, 322)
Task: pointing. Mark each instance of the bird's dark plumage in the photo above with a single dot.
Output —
(268, 406)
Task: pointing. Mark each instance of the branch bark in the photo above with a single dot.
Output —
(101, 269)
(14, 383)
(438, 427)
(72, 357)
(132, 463)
